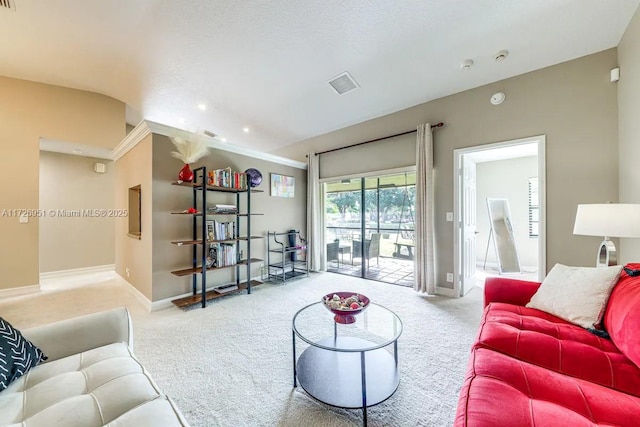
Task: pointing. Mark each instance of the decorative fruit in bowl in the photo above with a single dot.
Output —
(345, 305)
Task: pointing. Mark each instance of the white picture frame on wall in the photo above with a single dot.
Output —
(282, 186)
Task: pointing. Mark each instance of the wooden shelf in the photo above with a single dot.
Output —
(197, 270)
(209, 295)
(199, 242)
(215, 187)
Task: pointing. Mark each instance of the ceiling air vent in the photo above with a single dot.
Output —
(343, 83)
(8, 4)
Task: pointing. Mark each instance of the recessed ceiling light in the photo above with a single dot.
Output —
(466, 65)
(202, 106)
(501, 55)
(77, 151)
(245, 129)
(223, 139)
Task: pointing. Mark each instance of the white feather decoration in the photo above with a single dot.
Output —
(189, 151)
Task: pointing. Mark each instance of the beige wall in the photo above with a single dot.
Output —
(280, 214)
(69, 183)
(132, 169)
(29, 111)
(389, 154)
(491, 183)
(629, 127)
(573, 104)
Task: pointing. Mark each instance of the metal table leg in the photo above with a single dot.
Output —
(293, 340)
(364, 389)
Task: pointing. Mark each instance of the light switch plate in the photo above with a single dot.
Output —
(450, 277)
(449, 216)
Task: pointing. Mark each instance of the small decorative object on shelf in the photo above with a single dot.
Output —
(345, 306)
(188, 152)
(254, 177)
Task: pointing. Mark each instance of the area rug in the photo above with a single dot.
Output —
(230, 364)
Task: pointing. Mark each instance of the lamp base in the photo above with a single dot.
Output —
(607, 255)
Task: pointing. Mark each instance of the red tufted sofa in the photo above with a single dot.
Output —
(530, 368)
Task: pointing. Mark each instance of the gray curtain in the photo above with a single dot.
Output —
(424, 266)
(315, 232)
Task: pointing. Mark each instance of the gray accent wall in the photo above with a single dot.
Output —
(573, 104)
(629, 127)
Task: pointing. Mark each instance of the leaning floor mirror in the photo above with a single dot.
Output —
(503, 236)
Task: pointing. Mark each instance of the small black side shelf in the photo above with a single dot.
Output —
(286, 256)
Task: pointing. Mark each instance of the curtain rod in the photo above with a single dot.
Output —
(437, 125)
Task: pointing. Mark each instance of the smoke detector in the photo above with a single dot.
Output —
(466, 65)
(343, 83)
(501, 55)
(498, 98)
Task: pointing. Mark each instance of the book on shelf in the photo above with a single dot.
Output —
(218, 208)
(217, 230)
(222, 254)
(226, 288)
(228, 179)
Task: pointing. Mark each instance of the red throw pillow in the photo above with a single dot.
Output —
(622, 319)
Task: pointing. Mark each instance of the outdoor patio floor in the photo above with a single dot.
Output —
(389, 270)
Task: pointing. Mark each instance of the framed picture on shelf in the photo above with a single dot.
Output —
(210, 233)
(282, 185)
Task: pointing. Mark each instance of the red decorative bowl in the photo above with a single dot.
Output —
(345, 316)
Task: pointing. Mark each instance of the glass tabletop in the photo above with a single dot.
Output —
(374, 327)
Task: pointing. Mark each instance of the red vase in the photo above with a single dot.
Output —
(186, 174)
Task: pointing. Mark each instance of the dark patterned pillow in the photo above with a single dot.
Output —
(17, 354)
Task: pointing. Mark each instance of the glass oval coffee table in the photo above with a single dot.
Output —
(347, 365)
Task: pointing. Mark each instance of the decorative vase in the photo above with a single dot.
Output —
(186, 174)
(255, 177)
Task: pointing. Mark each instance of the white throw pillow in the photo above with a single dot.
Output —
(576, 294)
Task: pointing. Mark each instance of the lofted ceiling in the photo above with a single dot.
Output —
(265, 64)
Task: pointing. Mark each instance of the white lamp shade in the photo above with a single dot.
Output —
(608, 220)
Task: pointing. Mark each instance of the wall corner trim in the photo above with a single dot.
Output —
(146, 127)
(131, 140)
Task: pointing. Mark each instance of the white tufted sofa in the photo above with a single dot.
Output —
(90, 379)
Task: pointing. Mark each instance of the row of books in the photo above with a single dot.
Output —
(223, 209)
(217, 230)
(228, 178)
(222, 255)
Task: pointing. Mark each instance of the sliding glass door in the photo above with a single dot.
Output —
(370, 227)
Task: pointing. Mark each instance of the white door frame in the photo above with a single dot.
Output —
(457, 202)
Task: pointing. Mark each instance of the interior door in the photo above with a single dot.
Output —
(468, 225)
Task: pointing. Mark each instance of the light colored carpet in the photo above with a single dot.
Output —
(231, 363)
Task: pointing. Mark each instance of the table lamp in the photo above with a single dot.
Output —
(608, 220)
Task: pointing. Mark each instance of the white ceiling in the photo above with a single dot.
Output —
(265, 64)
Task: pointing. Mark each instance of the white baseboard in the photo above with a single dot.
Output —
(77, 271)
(136, 293)
(494, 266)
(19, 291)
(446, 292)
(167, 302)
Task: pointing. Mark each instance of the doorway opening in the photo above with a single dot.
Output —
(499, 212)
(369, 227)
